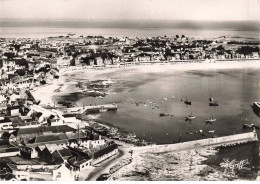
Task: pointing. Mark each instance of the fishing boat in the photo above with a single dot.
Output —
(211, 120)
(247, 125)
(187, 102)
(214, 103)
(190, 117)
(163, 114)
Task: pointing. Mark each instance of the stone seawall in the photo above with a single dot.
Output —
(211, 142)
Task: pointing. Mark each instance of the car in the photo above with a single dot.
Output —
(103, 177)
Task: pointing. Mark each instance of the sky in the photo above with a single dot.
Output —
(205, 10)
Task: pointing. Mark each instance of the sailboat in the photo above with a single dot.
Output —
(211, 120)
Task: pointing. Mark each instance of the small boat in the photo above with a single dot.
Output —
(173, 97)
(200, 131)
(211, 131)
(189, 133)
(210, 99)
(190, 117)
(214, 104)
(165, 99)
(211, 120)
(247, 125)
(163, 114)
(187, 102)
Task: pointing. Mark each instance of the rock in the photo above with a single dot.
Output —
(142, 171)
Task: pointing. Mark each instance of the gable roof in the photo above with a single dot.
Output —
(38, 130)
(48, 138)
(65, 152)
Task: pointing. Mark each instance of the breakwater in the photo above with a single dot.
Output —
(211, 142)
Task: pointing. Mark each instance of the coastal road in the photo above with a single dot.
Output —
(103, 167)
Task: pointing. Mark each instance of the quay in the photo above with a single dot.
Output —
(90, 109)
(203, 143)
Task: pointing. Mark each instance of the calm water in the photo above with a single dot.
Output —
(235, 90)
(41, 32)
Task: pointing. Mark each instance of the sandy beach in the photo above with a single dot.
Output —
(45, 93)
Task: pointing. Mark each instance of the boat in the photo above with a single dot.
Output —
(190, 117)
(214, 104)
(173, 97)
(187, 102)
(247, 125)
(211, 120)
(210, 99)
(189, 133)
(211, 131)
(163, 114)
(256, 108)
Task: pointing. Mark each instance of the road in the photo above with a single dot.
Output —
(103, 167)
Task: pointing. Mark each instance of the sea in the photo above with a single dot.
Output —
(134, 90)
(127, 28)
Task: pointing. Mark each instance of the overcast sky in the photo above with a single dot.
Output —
(217, 10)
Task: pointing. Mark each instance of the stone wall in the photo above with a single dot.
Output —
(211, 142)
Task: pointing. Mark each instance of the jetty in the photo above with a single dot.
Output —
(90, 109)
(202, 143)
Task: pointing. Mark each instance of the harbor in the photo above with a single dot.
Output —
(137, 99)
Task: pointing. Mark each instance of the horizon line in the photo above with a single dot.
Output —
(150, 20)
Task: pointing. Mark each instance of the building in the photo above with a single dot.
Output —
(5, 123)
(86, 157)
(62, 173)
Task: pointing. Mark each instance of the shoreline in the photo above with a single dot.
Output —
(45, 93)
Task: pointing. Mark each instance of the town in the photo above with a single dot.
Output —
(40, 142)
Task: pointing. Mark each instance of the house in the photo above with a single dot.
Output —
(62, 173)
(23, 134)
(14, 110)
(255, 55)
(61, 155)
(86, 157)
(79, 163)
(3, 100)
(5, 123)
(53, 153)
(64, 61)
(98, 61)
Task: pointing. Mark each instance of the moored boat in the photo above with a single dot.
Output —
(190, 117)
(211, 120)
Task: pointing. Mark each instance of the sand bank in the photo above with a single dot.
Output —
(46, 92)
